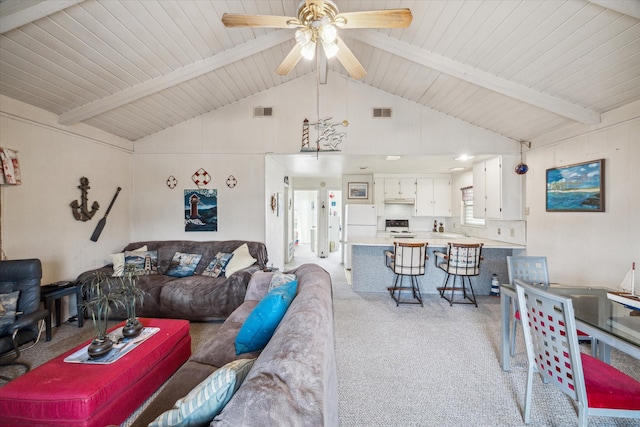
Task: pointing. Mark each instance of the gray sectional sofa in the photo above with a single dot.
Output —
(196, 297)
(293, 381)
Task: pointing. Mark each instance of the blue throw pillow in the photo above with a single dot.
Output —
(207, 399)
(183, 265)
(257, 330)
(217, 265)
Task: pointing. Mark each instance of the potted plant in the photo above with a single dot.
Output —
(98, 300)
(131, 294)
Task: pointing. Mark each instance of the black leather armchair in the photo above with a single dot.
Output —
(24, 276)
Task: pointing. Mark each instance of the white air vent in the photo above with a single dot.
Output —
(263, 112)
(381, 113)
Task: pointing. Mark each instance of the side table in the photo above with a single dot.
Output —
(53, 293)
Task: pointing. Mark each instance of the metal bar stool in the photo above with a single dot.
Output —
(407, 259)
(461, 261)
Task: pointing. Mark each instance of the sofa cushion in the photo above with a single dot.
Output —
(219, 349)
(118, 261)
(141, 262)
(183, 264)
(208, 398)
(8, 304)
(264, 319)
(279, 279)
(241, 259)
(217, 265)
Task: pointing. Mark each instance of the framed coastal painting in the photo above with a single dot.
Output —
(358, 190)
(576, 188)
(200, 210)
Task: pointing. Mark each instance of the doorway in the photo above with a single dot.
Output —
(317, 225)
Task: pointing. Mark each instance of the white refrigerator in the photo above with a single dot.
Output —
(360, 221)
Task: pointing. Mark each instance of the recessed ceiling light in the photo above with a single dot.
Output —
(456, 169)
(392, 157)
(464, 157)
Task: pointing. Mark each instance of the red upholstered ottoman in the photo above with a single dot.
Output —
(70, 394)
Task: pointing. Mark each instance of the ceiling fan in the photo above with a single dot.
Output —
(319, 21)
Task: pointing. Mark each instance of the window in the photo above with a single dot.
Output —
(467, 208)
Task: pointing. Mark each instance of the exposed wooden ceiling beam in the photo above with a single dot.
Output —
(626, 7)
(175, 77)
(477, 77)
(14, 14)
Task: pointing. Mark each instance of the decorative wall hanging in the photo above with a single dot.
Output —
(200, 210)
(80, 209)
(522, 168)
(201, 178)
(10, 167)
(274, 203)
(172, 182)
(103, 220)
(232, 181)
(328, 137)
(576, 188)
(358, 190)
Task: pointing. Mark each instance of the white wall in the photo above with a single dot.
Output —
(275, 221)
(37, 221)
(158, 211)
(589, 248)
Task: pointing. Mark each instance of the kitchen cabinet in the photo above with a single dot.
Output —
(378, 195)
(497, 189)
(433, 197)
(399, 188)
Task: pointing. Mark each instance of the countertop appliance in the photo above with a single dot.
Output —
(398, 228)
(360, 221)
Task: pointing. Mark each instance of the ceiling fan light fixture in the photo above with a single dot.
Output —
(330, 49)
(303, 36)
(329, 33)
(309, 50)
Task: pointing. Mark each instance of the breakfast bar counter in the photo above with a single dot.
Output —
(369, 272)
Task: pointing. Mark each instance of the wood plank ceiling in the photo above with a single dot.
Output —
(133, 68)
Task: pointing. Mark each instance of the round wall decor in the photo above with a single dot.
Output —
(172, 182)
(232, 181)
(201, 177)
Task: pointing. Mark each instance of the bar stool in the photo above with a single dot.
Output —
(407, 259)
(461, 261)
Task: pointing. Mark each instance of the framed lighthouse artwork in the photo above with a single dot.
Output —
(200, 210)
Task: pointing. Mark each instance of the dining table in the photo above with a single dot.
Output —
(612, 324)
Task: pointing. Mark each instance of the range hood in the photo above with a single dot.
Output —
(400, 201)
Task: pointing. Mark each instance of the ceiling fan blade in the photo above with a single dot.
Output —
(392, 18)
(290, 60)
(270, 21)
(349, 60)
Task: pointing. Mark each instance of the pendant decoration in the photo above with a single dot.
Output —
(80, 209)
(232, 181)
(172, 182)
(522, 168)
(201, 178)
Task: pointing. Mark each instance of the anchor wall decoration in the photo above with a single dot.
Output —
(80, 210)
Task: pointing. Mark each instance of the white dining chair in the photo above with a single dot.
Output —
(552, 346)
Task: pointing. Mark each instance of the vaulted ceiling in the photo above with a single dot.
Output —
(135, 67)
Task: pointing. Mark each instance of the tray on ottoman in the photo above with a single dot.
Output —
(78, 394)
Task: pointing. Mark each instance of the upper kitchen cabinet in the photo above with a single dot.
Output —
(378, 195)
(433, 197)
(400, 190)
(497, 189)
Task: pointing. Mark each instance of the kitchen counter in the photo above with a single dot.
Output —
(435, 240)
(369, 272)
